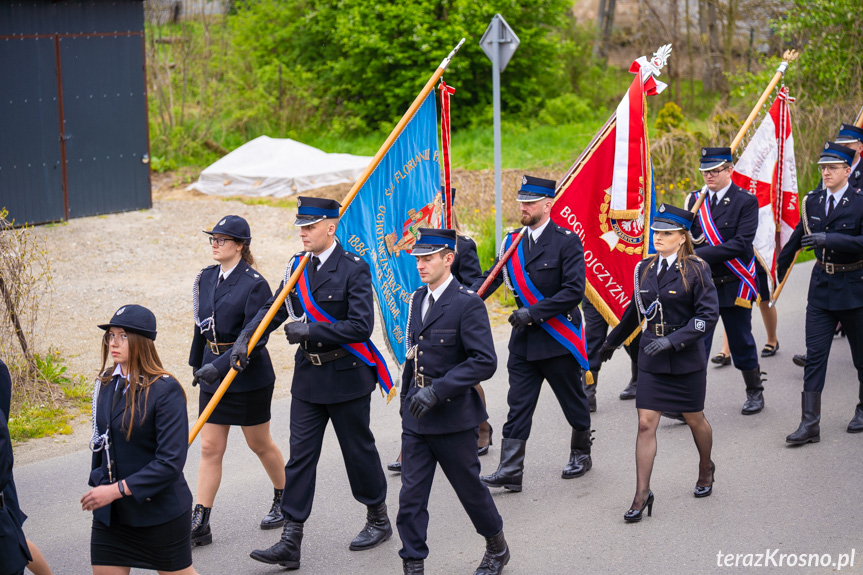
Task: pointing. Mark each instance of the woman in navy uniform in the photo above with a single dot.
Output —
(734, 214)
(832, 224)
(225, 297)
(141, 504)
(451, 350)
(330, 383)
(554, 260)
(675, 294)
(14, 550)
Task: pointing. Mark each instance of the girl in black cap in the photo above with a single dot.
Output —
(674, 292)
(226, 296)
(141, 504)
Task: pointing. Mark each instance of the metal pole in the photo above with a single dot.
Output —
(495, 80)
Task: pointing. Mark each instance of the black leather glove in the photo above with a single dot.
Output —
(240, 351)
(816, 240)
(207, 375)
(657, 345)
(425, 399)
(297, 332)
(606, 351)
(194, 379)
(520, 318)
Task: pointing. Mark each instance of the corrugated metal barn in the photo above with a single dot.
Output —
(73, 109)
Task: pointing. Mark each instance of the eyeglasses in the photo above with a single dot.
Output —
(110, 338)
(220, 241)
(830, 168)
(715, 172)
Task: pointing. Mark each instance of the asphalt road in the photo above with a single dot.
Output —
(768, 498)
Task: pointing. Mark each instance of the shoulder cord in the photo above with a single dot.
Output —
(409, 335)
(699, 239)
(806, 219)
(650, 312)
(99, 440)
(208, 323)
(289, 269)
(506, 280)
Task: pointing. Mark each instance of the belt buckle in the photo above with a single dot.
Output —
(420, 380)
(315, 359)
(659, 329)
(829, 268)
(214, 349)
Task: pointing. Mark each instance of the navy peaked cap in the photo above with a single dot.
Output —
(834, 153)
(849, 133)
(433, 240)
(233, 226)
(712, 158)
(534, 189)
(670, 218)
(134, 318)
(312, 210)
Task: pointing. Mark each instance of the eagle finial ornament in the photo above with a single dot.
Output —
(659, 59)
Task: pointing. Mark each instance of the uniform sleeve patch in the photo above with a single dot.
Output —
(700, 324)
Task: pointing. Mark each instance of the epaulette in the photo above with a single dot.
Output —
(251, 272)
(465, 291)
(211, 267)
(563, 230)
(352, 257)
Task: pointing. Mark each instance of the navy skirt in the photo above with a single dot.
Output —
(246, 408)
(164, 547)
(681, 393)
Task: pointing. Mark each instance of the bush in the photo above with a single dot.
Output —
(669, 118)
(567, 109)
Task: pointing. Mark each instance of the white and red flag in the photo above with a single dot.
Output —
(608, 191)
(767, 169)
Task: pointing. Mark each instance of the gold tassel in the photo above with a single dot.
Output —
(393, 392)
(588, 378)
(743, 303)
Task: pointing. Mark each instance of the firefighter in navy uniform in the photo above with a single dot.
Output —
(451, 350)
(831, 224)
(14, 550)
(225, 297)
(329, 384)
(734, 212)
(851, 137)
(554, 261)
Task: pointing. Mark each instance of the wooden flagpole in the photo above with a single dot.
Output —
(292, 281)
(859, 121)
(788, 57)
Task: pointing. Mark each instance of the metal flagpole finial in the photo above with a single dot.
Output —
(659, 60)
(449, 57)
(788, 57)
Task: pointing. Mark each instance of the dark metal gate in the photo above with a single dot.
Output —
(73, 110)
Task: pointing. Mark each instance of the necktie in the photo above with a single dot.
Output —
(220, 280)
(428, 308)
(663, 267)
(316, 262)
(713, 200)
(831, 203)
(118, 393)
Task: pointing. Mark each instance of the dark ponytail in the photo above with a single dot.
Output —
(247, 256)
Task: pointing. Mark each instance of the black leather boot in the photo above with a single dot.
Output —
(413, 567)
(496, 555)
(201, 534)
(376, 531)
(274, 518)
(590, 392)
(629, 391)
(287, 551)
(579, 456)
(809, 430)
(511, 469)
(754, 391)
(856, 425)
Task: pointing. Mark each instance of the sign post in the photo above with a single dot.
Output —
(499, 43)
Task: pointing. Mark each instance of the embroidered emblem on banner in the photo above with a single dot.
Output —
(623, 235)
(429, 216)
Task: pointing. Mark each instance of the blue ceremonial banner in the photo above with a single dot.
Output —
(401, 196)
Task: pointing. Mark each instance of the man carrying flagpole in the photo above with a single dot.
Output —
(724, 230)
(334, 375)
(546, 273)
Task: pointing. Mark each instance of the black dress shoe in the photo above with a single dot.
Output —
(395, 466)
(721, 359)
(274, 518)
(377, 529)
(856, 424)
(287, 551)
(799, 359)
(706, 490)
(496, 555)
(483, 449)
(635, 515)
(201, 534)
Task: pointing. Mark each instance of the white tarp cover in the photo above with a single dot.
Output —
(277, 167)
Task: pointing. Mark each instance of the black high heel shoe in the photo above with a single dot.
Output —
(706, 490)
(633, 516)
(484, 449)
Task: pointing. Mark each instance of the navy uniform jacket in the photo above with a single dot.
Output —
(456, 349)
(694, 311)
(14, 553)
(465, 267)
(844, 228)
(736, 219)
(236, 301)
(150, 462)
(556, 266)
(343, 289)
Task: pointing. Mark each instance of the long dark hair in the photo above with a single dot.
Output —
(145, 367)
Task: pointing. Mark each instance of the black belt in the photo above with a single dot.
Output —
(832, 268)
(324, 357)
(218, 348)
(722, 280)
(421, 380)
(663, 329)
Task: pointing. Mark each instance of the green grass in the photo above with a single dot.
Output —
(289, 203)
(31, 422)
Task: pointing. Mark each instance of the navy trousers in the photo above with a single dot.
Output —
(456, 453)
(820, 328)
(362, 462)
(737, 322)
(563, 374)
